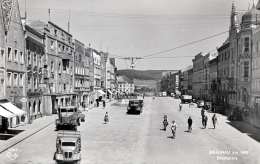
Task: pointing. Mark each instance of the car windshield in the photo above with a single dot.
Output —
(66, 110)
(134, 103)
(68, 144)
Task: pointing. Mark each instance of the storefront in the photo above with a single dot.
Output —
(18, 115)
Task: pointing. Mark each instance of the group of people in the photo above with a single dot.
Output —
(173, 126)
(204, 117)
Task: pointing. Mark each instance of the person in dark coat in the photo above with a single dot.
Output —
(104, 104)
(189, 124)
(205, 121)
(214, 120)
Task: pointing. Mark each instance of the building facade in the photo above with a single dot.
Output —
(198, 76)
(254, 113)
(125, 85)
(223, 69)
(58, 66)
(12, 63)
(81, 75)
(213, 76)
(34, 56)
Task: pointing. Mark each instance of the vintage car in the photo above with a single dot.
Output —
(68, 147)
(186, 99)
(135, 106)
(200, 103)
(81, 116)
(68, 118)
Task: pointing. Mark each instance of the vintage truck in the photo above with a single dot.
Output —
(135, 106)
(68, 118)
(68, 147)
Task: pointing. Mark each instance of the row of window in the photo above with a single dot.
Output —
(61, 47)
(34, 59)
(15, 79)
(81, 71)
(81, 83)
(33, 81)
(15, 55)
(61, 35)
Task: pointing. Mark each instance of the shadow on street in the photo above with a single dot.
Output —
(244, 127)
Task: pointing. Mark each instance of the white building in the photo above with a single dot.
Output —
(125, 85)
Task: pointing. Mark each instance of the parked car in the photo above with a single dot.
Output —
(81, 116)
(186, 99)
(200, 103)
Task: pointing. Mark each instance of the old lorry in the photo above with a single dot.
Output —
(135, 106)
(68, 118)
(68, 147)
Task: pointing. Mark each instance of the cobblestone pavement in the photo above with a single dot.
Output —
(137, 139)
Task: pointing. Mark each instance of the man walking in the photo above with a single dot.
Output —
(189, 124)
(214, 120)
(173, 128)
(205, 121)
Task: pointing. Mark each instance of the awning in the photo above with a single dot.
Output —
(109, 91)
(5, 113)
(101, 92)
(12, 108)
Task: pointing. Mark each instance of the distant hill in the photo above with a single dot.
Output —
(142, 74)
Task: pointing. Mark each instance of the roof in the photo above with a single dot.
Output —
(187, 68)
(59, 28)
(251, 16)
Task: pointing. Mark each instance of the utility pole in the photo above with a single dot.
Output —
(69, 23)
(49, 14)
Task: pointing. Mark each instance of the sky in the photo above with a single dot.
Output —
(137, 28)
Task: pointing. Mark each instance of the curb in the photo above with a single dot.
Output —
(9, 145)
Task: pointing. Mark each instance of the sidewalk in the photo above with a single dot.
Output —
(29, 130)
(246, 128)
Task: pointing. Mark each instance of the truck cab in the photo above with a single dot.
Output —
(68, 118)
(135, 106)
(68, 147)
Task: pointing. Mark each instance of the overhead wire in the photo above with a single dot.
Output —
(184, 45)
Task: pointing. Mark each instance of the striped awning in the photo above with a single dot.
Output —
(5, 113)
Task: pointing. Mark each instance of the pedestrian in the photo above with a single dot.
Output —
(106, 119)
(104, 104)
(180, 106)
(202, 112)
(189, 124)
(97, 102)
(214, 120)
(205, 121)
(173, 128)
(165, 122)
